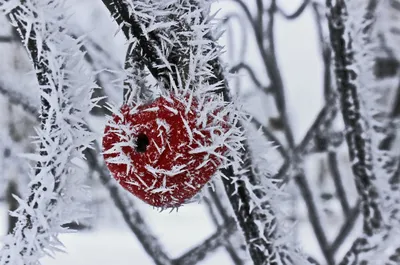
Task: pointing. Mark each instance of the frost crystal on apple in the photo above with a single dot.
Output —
(166, 150)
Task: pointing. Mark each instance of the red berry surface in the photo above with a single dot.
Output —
(161, 152)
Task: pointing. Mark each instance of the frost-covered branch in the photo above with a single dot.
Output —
(183, 23)
(65, 90)
(357, 127)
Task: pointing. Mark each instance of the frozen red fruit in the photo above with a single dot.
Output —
(163, 152)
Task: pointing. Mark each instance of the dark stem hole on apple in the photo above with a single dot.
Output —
(141, 143)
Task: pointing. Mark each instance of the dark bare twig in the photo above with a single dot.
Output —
(249, 16)
(314, 218)
(296, 13)
(244, 66)
(231, 42)
(273, 71)
(206, 247)
(271, 65)
(325, 50)
(6, 39)
(337, 179)
(271, 137)
(269, 61)
(346, 228)
(324, 119)
(19, 99)
(214, 208)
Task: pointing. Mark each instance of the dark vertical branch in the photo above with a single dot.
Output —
(328, 92)
(337, 179)
(346, 228)
(314, 217)
(238, 193)
(271, 65)
(12, 189)
(220, 216)
(43, 72)
(356, 129)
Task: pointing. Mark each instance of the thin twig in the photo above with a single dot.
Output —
(296, 13)
(214, 211)
(6, 39)
(249, 70)
(314, 218)
(337, 179)
(325, 115)
(272, 138)
(208, 246)
(346, 228)
(222, 207)
(17, 98)
(271, 65)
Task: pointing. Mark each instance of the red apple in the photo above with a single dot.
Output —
(161, 152)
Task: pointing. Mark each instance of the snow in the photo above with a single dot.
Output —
(113, 243)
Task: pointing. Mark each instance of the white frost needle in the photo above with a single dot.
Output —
(60, 139)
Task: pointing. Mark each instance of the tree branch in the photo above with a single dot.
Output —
(356, 130)
(48, 205)
(208, 246)
(19, 99)
(346, 228)
(215, 206)
(238, 67)
(239, 196)
(6, 39)
(296, 13)
(272, 68)
(337, 179)
(271, 137)
(314, 218)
